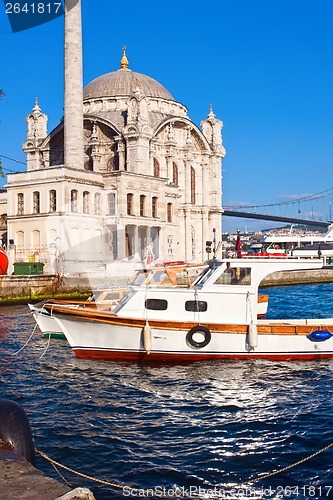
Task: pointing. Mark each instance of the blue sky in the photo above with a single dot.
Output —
(264, 65)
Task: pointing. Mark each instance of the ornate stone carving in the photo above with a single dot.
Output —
(36, 123)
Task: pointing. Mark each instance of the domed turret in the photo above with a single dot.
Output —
(123, 82)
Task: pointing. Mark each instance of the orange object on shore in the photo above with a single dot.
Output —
(3, 261)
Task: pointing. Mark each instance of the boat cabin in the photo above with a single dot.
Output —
(224, 292)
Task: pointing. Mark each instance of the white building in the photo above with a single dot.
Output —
(150, 181)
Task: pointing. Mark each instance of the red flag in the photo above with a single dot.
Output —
(238, 246)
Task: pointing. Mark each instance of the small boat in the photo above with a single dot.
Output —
(296, 244)
(46, 322)
(214, 317)
(102, 298)
(179, 274)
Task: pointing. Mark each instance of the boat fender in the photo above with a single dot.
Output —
(203, 331)
(147, 337)
(252, 335)
(319, 335)
(15, 429)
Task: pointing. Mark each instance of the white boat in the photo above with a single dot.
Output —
(46, 322)
(296, 244)
(215, 317)
(104, 298)
(315, 250)
(108, 298)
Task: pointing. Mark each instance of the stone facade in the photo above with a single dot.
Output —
(148, 188)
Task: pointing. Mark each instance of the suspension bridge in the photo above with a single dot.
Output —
(312, 210)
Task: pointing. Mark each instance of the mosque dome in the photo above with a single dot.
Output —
(123, 82)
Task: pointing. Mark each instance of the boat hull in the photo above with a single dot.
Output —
(46, 323)
(113, 338)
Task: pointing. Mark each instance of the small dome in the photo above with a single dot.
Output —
(122, 83)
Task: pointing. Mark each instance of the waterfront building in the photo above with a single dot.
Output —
(150, 182)
(126, 177)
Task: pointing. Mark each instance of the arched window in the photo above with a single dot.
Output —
(169, 212)
(35, 239)
(142, 205)
(175, 174)
(53, 200)
(111, 204)
(156, 168)
(36, 202)
(74, 197)
(154, 206)
(192, 186)
(20, 204)
(97, 204)
(130, 204)
(86, 198)
(19, 240)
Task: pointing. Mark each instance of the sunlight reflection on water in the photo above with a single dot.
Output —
(210, 423)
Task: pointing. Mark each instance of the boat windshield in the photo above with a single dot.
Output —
(140, 277)
(123, 301)
(205, 275)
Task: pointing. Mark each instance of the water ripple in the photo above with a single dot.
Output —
(200, 425)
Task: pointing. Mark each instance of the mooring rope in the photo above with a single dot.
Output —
(278, 471)
(47, 346)
(85, 476)
(62, 477)
(235, 486)
(27, 342)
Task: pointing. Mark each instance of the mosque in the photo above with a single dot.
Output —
(139, 182)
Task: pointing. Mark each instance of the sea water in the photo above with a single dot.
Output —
(204, 430)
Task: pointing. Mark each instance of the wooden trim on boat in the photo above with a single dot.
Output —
(264, 327)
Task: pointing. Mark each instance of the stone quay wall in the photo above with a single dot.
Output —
(26, 287)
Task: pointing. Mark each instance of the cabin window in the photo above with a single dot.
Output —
(156, 304)
(196, 306)
(140, 278)
(112, 296)
(235, 276)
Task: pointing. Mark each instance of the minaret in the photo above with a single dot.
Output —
(73, 105)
